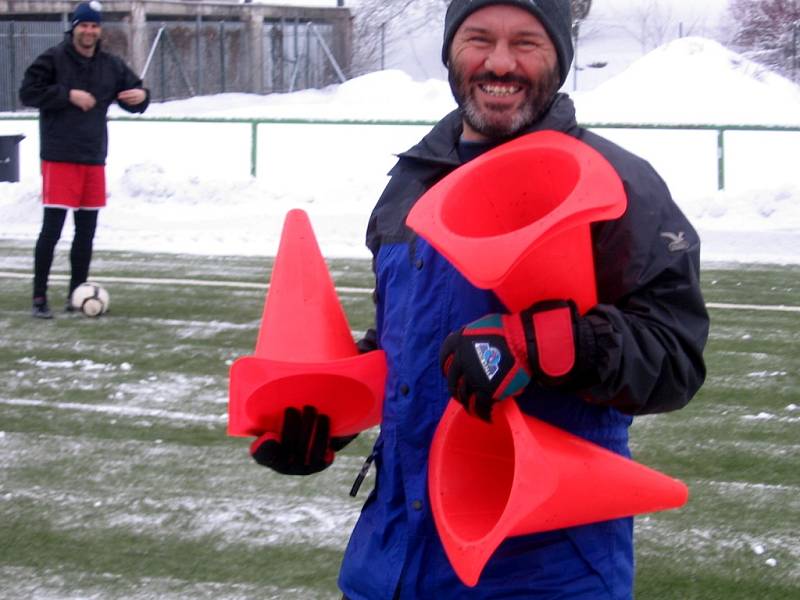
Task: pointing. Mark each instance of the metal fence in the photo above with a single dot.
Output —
(189, 57)
(197, 57)
(299, 56)
(20, 43)
(718, 131)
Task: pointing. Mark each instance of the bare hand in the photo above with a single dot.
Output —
(133, 96)
(82, 99)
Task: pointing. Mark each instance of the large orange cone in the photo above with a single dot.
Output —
(305, 353)
(516, 220)
(520, 475)
(518, 216)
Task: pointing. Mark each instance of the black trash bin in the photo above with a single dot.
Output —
(9, 157)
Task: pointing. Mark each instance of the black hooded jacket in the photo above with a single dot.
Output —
(67, 133)
(644, 339)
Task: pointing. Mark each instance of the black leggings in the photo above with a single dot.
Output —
(80, 254)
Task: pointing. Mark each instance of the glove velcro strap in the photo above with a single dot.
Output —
(554, 337)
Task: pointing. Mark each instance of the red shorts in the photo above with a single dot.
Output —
(72, 185)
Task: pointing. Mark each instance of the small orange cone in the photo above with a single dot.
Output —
(518, 216)
(519, 475)
(305, 353)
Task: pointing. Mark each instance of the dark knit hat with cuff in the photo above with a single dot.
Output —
(87, 12)
(554, 15)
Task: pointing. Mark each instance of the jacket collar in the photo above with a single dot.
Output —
(439, 145)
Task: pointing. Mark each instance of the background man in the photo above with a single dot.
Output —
(638, 351)
(72, 85)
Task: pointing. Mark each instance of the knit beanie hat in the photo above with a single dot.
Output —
(555, 16)
(87, 11)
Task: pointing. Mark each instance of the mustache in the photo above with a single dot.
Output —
(509, 78)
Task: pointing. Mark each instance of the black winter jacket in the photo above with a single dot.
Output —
(645, 337)
(67, 133)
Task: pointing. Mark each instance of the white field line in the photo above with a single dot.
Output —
(776, 307)
(167, 281)
(125, 411)
(344, 290)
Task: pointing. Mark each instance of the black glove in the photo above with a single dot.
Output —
(496, 356)
(304, 445)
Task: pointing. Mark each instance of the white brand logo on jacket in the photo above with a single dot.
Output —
(677, 241)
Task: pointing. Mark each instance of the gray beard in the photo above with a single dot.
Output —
(538, 98)
(482, 122)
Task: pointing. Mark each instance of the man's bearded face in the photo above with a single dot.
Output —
(503, 70)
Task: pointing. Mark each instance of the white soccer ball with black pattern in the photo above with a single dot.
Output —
(91, 299)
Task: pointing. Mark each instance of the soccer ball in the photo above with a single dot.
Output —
(90, 298)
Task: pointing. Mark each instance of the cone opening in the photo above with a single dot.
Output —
(509, 192)
(476, 476)
(346, 401)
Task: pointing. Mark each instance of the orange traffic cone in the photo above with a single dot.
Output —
(518, 216)
(305, 353)
(520, 475)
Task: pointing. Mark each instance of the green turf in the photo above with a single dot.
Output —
(117, 479)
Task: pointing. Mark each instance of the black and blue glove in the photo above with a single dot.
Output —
(497, 356)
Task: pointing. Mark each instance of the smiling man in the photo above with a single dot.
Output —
(638, 351)
(504, 69)
(73, 85)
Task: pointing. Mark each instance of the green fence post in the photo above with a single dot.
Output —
(253, 147)
(720, 159)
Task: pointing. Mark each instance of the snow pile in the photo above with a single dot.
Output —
(186, 187)
(381, 95)
(694, 80)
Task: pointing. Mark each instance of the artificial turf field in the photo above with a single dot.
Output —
(117, 480)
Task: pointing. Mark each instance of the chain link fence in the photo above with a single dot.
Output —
(20, 43)
(189, 57)
(298, 54)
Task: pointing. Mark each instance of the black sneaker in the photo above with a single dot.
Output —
(68, 308)
(40, 310)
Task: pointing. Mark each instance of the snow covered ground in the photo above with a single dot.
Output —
(186, 187)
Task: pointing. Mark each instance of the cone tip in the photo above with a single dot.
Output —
(469, 560)
(296, 213)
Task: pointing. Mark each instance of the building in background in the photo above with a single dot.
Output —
(188, 48)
